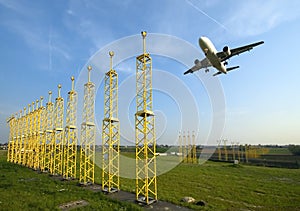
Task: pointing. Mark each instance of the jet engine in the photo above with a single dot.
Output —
(196, 61)
(226, 50)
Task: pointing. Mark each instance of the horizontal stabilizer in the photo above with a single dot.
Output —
(232, 68)
(189, 71)
(218, 73)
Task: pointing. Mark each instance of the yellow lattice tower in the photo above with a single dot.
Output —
(49, 136)
(233, 151)
(70, 149)
(87, 143)
(110, 132)
(238, 151)
(22, 154)
(15, 139)
(247, 147)
(36, 144)
(194, 150)
(189, 148)
(225, 150)
(41, 136)
(180, 147)
(184, 154)
(146, 187)
(30, 135)
(219, 149)
(58, 134)
(10, 151)
(19, 137)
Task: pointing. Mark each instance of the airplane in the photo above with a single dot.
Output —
(216, 59)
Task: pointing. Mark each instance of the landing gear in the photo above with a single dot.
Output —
(225, 63)
(206, 70)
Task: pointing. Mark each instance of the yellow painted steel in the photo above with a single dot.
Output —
(30, 136)
(70, 146)
(22, 155)
(233, 150)
(10, 152)
(180, 147)
(184, 155)
(87, 143)
(19, 137)
(219, 149)
(189, 148)
(225, 150)
(41, 135)
(58, 134)
(110, 132)
(146, 187)
(48, 135)
(194, 150)
(35, 144)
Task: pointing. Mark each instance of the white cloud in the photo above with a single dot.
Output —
(249, 18)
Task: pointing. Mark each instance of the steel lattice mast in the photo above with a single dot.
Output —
(110, 132)
(19, 138)
(87, 144)
(41, 135)
(30, 136)
(49, 135)
(22, 156)
(58, 134)
(146, 188)
(36, 144)
(180, 147)
(10, 152)
(71, 135)
(194, 149)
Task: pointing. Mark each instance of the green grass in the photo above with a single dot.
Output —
(24, 189)
(279, 151)
(222, 186)
(225, 186)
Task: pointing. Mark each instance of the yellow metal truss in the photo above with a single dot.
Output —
(36, 144)
(30, 136)
(225, 150)
(219, 149)
(87, 143)
(41, 136)
(194, 149)
(110, 132)
(146, 187)
(22, 154)
(10, 153)
(48, 136)
(189, 148)
(185, 151)
(180, 147)
(19, 138)
(70, 146)
(58, 134)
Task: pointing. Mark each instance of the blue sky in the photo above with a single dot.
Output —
(44, 43)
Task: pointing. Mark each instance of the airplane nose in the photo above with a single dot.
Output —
(201, 41)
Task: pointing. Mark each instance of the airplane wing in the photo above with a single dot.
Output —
(204, 63)
(236, 51)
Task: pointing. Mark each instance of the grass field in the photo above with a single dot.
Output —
(24, 189)
(222, 186)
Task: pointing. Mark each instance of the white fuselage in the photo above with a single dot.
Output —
(211, 54)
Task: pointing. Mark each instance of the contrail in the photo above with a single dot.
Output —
(201, 11)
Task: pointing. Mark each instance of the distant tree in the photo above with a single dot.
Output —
(294, 149)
